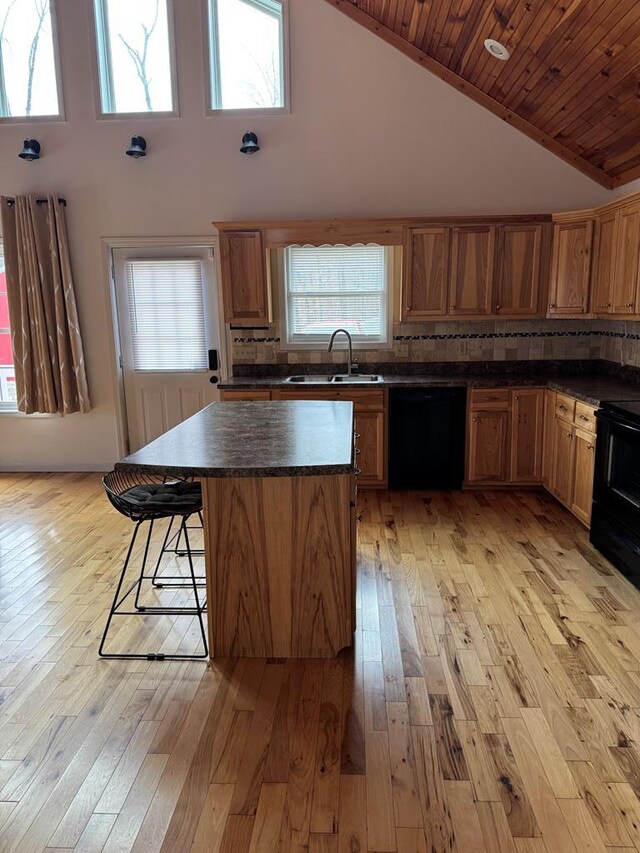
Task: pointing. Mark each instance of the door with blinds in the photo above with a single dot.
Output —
(167, 315)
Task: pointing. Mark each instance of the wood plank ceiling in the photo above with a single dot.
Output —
(572, 82)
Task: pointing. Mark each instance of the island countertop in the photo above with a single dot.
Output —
(247, 439)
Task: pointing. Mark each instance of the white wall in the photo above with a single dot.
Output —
(370, 134)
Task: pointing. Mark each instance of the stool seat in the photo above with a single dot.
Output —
(180, 498)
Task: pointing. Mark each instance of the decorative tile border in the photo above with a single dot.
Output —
(458, 336)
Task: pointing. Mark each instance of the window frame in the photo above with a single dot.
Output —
(320, 341)
(60, 116)
(209, 28)
(99, 53)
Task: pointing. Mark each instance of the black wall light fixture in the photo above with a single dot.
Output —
(30, 150)
(138, 147)
(249, 143)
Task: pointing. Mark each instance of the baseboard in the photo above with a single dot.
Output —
(58, 468)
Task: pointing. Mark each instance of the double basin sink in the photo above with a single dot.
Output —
(318, 378)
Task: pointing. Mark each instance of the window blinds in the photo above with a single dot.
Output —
(330, 287)
(166, 314)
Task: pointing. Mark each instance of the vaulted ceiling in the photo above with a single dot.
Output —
(572, 82)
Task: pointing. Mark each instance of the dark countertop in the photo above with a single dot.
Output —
(246, 439)
(591, 389)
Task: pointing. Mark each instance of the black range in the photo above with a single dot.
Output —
(615, 522)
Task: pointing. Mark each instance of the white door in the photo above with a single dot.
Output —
(167, 314)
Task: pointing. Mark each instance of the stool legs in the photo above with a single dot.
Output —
(191, 582)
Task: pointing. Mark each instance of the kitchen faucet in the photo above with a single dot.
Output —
(350, 364)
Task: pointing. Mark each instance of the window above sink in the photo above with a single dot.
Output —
(337, 286)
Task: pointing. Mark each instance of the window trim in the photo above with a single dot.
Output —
(320, 342)
(209, 30)
(60, 116)
(99, 63)
(8, 408)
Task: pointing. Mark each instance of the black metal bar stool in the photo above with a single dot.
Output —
(148, 499)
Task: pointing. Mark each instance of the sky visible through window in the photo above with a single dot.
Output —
(136, 38)
(28, 84)
(249, 62)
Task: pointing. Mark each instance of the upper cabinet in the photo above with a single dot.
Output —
(615, 268)
(245, 287)
(604, 262)
(476, 270)
(625, 279)
(426, 273)
(521, 259)
(472, 269)
(571, 267)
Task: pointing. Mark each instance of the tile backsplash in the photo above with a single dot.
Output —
(447, 340)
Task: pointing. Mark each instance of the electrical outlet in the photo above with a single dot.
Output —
(244, 353)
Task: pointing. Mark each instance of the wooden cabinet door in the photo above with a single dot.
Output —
(563, 462)
(527, 408)
(472, 270)
(371, 459)
(245, 291)
(426, 274)
(548, 437)
(518, 270)
(625, 283)
(582, 494)
(487, 451)
(604, 263)
(571, 267)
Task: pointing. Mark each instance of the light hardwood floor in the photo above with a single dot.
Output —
(492, 703)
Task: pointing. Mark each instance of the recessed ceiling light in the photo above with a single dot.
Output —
(496, 49)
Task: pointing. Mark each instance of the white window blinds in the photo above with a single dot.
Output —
(330, 287)
(166, 314)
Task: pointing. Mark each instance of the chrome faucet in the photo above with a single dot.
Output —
(351, 364)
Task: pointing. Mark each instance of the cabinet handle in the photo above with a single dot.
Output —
(563, 408)
(569, 435)
(356, 435)
(357, 471)
(498, 307)
(475, 420)
(629, 304)
(357, 451)
(583, 418)
(589, 446)
(453, 307)
(608, 305)
(552, 305)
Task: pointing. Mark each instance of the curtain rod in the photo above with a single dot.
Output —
(62, 201)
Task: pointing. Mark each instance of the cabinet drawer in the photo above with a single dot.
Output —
(565, 407)
(585, 417)
(496, 398)
(244, 395)
(363, 401)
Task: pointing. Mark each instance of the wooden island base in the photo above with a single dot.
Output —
(280, 565)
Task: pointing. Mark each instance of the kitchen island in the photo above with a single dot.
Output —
(278, 485)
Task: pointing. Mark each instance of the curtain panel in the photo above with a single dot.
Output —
(45, 332)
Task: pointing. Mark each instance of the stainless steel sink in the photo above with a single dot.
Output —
(309, 378)
(320, 378)
(356, 378)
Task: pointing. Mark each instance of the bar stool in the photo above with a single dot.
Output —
(148, 499)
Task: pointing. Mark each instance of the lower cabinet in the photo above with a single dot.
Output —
(370, 429)
(504, 437)
(569, 453)
(584, 453)
(562, 470)
(488, 443)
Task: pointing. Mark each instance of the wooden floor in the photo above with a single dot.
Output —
(492, 703)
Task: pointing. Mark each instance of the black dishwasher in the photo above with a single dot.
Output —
(426, 438)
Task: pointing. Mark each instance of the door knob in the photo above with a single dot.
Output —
(214, 380)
